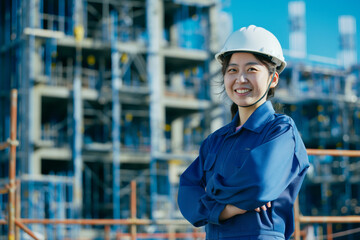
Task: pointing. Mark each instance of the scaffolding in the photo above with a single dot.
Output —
(100, 104)
(133, 221)
(112, 91)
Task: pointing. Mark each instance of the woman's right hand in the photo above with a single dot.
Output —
(268, 205)
(230, 211)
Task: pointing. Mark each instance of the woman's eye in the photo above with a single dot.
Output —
(251, 69)
(231, 70)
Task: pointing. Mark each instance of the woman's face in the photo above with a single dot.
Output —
(246, 79)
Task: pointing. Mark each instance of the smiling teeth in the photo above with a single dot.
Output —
(242, 90)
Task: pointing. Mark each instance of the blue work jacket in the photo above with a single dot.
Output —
(265, 161)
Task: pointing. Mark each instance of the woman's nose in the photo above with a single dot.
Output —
(241, 78)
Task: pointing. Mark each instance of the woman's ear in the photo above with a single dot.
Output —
(275, 80)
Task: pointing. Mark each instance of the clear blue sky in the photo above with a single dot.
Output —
(321, 21)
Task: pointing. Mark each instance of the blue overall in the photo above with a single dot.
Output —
(265, 161)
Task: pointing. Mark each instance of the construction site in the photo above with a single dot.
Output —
(103, 105)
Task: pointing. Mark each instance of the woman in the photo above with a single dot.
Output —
(248, 173)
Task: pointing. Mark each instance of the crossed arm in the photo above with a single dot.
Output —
(244, 190)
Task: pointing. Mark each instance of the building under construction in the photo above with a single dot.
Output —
(114, 91)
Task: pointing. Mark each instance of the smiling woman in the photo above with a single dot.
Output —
(248, 173)
(248, 78)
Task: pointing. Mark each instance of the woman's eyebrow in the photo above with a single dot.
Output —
(246, 64)
(252, 63)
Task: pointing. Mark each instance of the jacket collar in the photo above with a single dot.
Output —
(256, 122)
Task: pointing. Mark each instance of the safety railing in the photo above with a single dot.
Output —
(132, 222)
(328, 220)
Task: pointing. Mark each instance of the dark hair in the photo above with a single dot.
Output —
(263, 59)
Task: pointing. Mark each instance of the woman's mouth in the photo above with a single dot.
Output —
(242, 91)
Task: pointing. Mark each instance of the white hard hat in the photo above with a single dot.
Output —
(255, 40)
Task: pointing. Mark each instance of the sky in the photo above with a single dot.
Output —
(321, 17)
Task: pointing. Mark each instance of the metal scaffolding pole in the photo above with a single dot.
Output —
(116, 113)
(155, 67)
(77, 111)
(31, 75)
(11, 188)
(12, 165)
